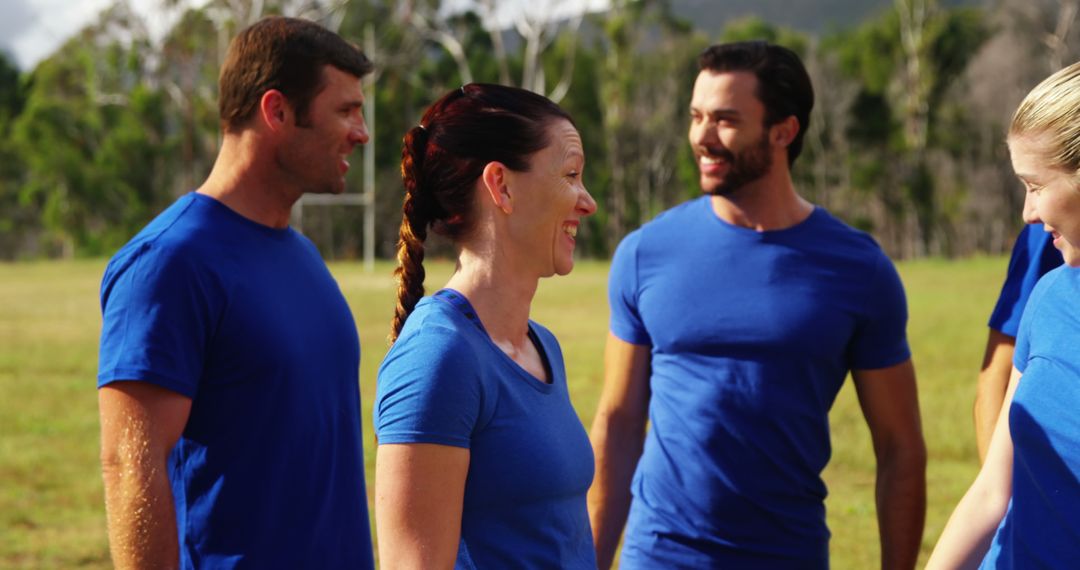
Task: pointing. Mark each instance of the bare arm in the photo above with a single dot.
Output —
(967, 536)
(618, 436)
(140, 424)
(993, 382)
(419, 497)
(890, 403)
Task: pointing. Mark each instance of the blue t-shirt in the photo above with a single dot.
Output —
(1041, 528)
(1032, 256)
(247, 321)
(530, 463)
(751, 334)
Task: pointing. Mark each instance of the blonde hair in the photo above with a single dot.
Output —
(1051, 111)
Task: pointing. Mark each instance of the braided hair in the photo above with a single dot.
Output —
(442, 159)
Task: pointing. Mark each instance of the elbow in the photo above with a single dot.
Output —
(906, 458)
(112, 462)
(130, 459)
(618, 424)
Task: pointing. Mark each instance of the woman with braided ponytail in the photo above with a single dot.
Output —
(482, 461)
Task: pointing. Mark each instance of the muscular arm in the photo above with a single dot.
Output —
(890, 403)
(993, 382)
(140, 424)
(419, 497)
(618, 436)
(967, 536)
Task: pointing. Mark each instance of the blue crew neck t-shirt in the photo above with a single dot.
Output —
(751, 335)
(247, 321)
(530, 463)
(1041, 528)
(1033, 256)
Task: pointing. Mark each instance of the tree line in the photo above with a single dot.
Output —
(906, 140)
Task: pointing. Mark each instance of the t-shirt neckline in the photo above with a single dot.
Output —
(465, 309)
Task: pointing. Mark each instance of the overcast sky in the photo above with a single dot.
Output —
(30, 30)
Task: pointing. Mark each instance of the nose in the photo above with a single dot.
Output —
(702, 132)
(1031, 210)
(358, 134)
(586, 206)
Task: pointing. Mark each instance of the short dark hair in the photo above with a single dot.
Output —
(286, 54)
(783, 87)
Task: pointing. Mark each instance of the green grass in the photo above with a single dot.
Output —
(51, 508)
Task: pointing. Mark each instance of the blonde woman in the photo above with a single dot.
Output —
(1023, 510)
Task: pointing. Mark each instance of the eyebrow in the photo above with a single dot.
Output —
(718, 113)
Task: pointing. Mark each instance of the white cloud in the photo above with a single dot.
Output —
(31, 30)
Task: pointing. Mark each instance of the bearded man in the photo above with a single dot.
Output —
(735, 318)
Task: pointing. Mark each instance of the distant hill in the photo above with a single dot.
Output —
(814, 16)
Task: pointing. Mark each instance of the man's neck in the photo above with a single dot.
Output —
(767, 204)
(246, 181)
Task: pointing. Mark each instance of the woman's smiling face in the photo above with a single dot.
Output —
(1052, 194)
(551, 199)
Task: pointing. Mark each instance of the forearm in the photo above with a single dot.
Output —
(141, 515)
(901, 507)
(993, 382)
(971, 527)
(617, 446)
(988, 399)
(967, 535)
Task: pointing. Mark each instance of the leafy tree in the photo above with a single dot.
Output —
(91, 136)
(18, 221)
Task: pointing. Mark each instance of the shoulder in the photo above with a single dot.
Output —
(171, 232)
(837, 242)
(667, 225)
(827, 226)
(434, 335)
(1062, 280)
(166, 250)
(677, 216)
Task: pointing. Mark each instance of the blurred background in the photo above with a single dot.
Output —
(108, 107)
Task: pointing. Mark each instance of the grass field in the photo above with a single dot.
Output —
(51, 509)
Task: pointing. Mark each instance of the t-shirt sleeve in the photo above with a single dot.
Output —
(1032, 256)
(156, 320)
(881, 336)
(428, 390)
(623, 290)
(1022, 352)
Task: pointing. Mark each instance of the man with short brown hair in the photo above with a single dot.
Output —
(228, 374)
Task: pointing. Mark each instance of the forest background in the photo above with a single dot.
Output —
(906, 140)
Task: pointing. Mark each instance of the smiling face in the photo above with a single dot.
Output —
(316, 152)
(1052, 194)
(550, 199)
(727, 132)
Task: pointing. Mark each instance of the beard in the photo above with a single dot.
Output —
(745, 167)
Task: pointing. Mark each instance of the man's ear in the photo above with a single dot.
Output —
(783, 132)
(275, 110)
(496, 185)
